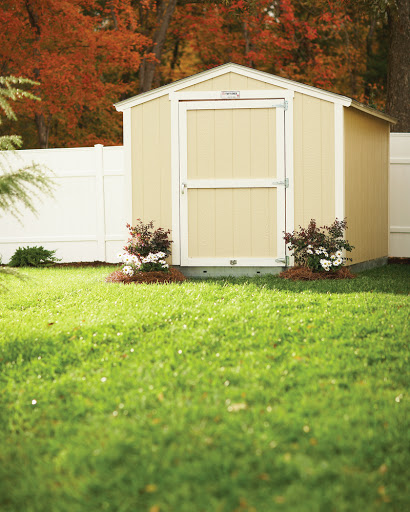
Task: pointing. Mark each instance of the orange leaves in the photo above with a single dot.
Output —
(78, 51)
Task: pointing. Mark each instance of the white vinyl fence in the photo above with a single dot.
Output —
(399, 195)
(85, 220)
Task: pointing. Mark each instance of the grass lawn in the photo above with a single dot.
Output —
(246, 395)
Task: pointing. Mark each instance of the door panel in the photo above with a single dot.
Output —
(232, 182)
(234, 143)
(232, 223)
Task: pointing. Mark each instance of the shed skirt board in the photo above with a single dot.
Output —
(232, 179)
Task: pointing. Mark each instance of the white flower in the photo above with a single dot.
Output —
(161, 255)
(326, 264)
(164, 264)
(309, 251)
(310, 246)
(338, 254)
(337, 262)
(128, 271)
(332, 256)
(318, 252)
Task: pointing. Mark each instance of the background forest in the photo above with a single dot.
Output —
(88, 54)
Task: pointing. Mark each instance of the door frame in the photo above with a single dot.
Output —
(177, 99)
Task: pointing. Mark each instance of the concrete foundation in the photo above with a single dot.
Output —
(208, 272)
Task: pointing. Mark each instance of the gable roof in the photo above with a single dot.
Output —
(250, 73)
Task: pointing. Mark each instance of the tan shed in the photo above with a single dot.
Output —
(230, 158)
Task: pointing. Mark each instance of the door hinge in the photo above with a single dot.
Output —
(282, 182)
(284, 260)
(233, 262)
(284, 105)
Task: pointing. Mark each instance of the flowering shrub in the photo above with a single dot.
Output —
(319, 248)
(146, 250)
(152, 262)
(145, 240)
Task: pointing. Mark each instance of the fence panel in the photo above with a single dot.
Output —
(399, 199)
(85, 220)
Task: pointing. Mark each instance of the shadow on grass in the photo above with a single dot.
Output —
(392, 279)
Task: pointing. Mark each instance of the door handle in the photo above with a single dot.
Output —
(183, 185)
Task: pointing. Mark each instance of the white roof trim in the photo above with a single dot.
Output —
(256, 75)
(240, 70)
(373, 112)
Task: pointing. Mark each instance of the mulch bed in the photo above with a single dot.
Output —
(172, 276)
(399, 261)
(305, 274)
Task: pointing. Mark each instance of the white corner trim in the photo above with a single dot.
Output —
(339, 163)
(175, 180)
(127, 131)
(290, 191)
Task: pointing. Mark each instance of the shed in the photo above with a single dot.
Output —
(232, 157)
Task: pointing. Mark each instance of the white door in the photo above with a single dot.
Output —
(232, 182)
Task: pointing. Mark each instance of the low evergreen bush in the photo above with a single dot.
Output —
(35, 256)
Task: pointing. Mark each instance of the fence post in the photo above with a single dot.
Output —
(100, 203)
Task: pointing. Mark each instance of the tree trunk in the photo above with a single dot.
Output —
(43, 130)
(398, 79)
(148, 67)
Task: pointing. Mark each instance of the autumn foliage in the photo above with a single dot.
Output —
(88, 54)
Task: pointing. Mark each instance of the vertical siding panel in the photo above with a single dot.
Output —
(257, 85)
(205, 143)
(206, 223)
(223, 143)
(259, 143)
(152, 209)
(165, 162)
(242, 222)
(224, 223)
(312, 146)
(298, 168)
(263, 225)
(220, 83)
(327, 162)
(272, 170)
(239, 82)
(192, 150)
(273, 221)
(366, 184)
(192, 223)
(241, 152)
(137, 157)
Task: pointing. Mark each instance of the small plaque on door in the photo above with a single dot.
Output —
(230, 95)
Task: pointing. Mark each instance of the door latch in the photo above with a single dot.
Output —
(183, 185)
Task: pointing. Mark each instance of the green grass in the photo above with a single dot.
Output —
(230, 395)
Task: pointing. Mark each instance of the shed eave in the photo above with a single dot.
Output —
(234, 68)
(373, 112)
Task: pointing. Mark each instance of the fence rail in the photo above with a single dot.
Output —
(85, 220)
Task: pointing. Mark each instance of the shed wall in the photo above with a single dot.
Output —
(314, 167)
(366, 184)
(314, 160)
(151, 162)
